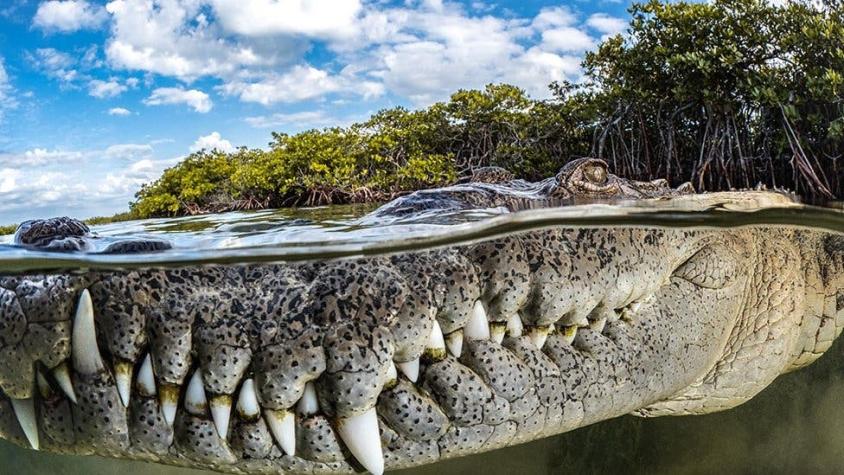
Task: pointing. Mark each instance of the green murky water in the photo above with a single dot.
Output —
(795, 426)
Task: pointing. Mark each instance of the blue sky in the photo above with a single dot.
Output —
(98, 97)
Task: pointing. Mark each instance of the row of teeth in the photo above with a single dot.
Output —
(359, 433)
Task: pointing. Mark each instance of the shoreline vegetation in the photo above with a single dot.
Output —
(726, 94)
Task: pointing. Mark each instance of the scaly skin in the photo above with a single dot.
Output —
(545, 331)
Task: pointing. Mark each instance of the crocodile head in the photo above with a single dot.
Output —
(580, 180)
(375, 362)
(68, 234)
(590, 178)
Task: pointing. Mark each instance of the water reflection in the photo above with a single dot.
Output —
(794, 426)
(343, 231)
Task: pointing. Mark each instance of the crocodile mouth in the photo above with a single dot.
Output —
(347, 365)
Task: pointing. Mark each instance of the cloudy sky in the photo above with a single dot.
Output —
(97, 97)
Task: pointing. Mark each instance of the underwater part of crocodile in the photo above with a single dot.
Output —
(394, 361)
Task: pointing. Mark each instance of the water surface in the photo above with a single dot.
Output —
(347, 231)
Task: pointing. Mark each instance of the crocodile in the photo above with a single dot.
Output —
(494, 187)
(371, 363)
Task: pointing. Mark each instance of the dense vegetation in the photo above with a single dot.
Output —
(727, 94)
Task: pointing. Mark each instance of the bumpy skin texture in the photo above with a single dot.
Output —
(493, 187)
(65, 234)
(600, 322)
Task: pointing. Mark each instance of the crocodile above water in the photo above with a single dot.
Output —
(394, 361)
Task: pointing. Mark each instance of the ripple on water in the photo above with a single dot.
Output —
(341, 231)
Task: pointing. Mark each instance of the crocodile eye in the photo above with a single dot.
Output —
(596, 173)
(713, 267)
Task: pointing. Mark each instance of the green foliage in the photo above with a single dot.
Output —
(393, 152)
(196, 183)
(726, 93)
(96, 220)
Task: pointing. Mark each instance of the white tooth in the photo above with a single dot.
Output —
(308, 404)
(410, 369)
(123, 377)
(538, 335)
(392, 374)
(436, 343)
(195, 401)
(635, 306)
(62, 375)
(247, 400)
(84, 350)
(25, 412)
(454, 341)
(497, 331)
(221, 410)
(598, 325)
(283, 427)
(569, 333)
(477, 328)
(361, 435)
(168, 395)
(514, 325)
(146, 378)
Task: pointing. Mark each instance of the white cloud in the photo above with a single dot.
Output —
(119, 111)
(104, 89)
(212, 141)
(128, 151)
(39, 157)
(7, 100)
(74, 72)
(423, 50)
(20, 189)
(301, 120)
(196, 99)
(567, 39)
(300, 83)
(55, 64)
(41, 183)
(52, 59)
(312, 18)
(536, 69)
(9, 179)
(142, 166)
(43, 157)
(69, 15)
(551, 17)
(118, 184)
(450, 51)
(608, 25)
(32, 193)
(91, 59)
(427, 52)
(175, 38)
